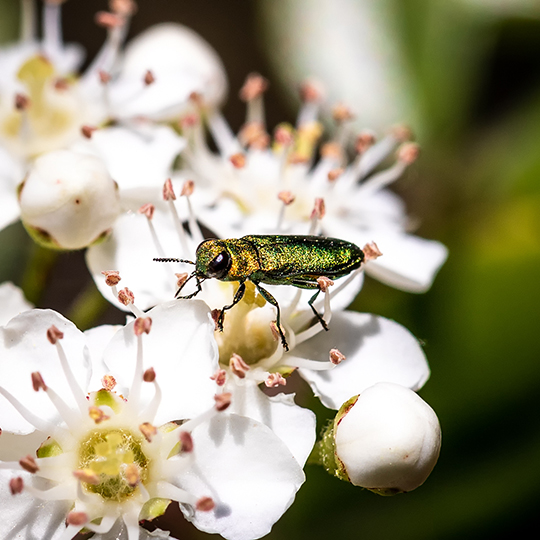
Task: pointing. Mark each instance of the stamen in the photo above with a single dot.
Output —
(28, 21)
(132, 475)
(16, 485)
(324, 283)
(238, 366)
(87, 131)
(22, 102)
(275, 379)
(317, 214)
(252, 93)
(186, 442)
(149, 78)
(408, 153)
(88, 476)
(142, 325)
(126, 8)
(223, 401)
(29, 464)
(371, 251)
(364, 140)
(108, 382)
(187, 190)
(336, 357)
(151, 410)
(104, 527)
(77, 519)
(238, 160)
(220, 376)
(169, 196)
(134, 394)
(287, 198)
(317, 326)
(205, 504)
(311, 93)
(149, 375)
(52, 28)
(37, 382)
(127, 298)
(97, 415)
(112, 277)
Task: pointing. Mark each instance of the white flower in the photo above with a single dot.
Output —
(68, 200)
(387, 439)
(43, 104)
(112, 456)
(251, 187)
(12, 302)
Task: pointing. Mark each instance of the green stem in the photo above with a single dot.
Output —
(87, 307)
(36, 275)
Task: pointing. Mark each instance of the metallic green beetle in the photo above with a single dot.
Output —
(275, 260)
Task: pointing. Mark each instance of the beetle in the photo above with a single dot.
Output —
(273, 260)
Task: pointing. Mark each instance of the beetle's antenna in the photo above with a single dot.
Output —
(166, 259)
(199, 288)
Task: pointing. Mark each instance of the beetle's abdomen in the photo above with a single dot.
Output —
(304, 256)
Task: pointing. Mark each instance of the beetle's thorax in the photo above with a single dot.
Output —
(245, 259)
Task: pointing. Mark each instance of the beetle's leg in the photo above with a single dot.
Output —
(271, 300)
(199, 288)
(317, 314)
(308, 284)
(237, 297)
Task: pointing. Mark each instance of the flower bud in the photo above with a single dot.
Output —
(387, 439)
(68, 200)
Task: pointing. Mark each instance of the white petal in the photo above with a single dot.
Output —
(11, 174)
(376, 350)
(23, 516)
(12, 302)
(294, 425)
(130, 250)
(182, 350)
(408, 262)
(136, 157)
(24, 349)
(249, 473)
(97, 340)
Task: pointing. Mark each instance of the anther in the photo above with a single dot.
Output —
(311, 91)
(148, 430)
(186, 442)
(283, 135)
(216, 314)
(97, 415)
(77, 519)
(168, 191)
(275, 379)
(205, 504)
(22, 102)
(112, 277)
(220, 377)
(222, 401)
(37, 382)
(364, 140)
(319, 209)
(254, 87)
(87, 131)
(53, 334)
(108, 20)
(149, 375)
(402, 133)
(104, 76)
(16, 485)
(336, 357)
(126, 8)
(238, 366)
(190, 120)
(286, 197)
(251, 132)
(132, 475)
(324, 282)
(87, 476)
(149, 78)
(61, 84)
(408, 153)
(187, 188)
(147, 210)
(332, 150)
(238, 160)
(108, 382)
(126, 297)
(142, 325)
(181, 278)
(341, 113)
(371, 251)
(29, 464)
(334, 174)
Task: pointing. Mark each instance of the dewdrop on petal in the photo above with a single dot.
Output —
(68, 200)
(387, 439)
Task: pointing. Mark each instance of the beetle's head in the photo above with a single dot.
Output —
(213, 259)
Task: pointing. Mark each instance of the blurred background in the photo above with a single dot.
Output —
(465, 75)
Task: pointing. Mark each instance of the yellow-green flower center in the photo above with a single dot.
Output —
(116, 457)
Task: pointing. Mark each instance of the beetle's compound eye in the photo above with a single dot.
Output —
(219, 266)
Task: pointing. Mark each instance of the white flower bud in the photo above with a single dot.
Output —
(68, 200)
(388, 440)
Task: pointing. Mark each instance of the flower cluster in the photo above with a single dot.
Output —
(187, 403)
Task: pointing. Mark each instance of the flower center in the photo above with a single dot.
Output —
(247, 330)
(116, 458)
(52, 111)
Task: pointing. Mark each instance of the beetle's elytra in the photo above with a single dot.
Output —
(275, 260)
